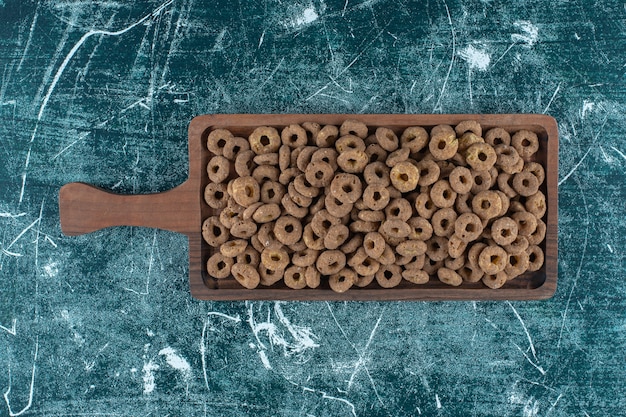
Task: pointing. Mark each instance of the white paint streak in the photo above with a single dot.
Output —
(445, 81)
(610, 248)
(476, 58)
(176, 361)
(619, 152)
(148, 376)
(437, 401)
(264, 360)
(587, 106)
(308, 16)
(12, 216)
(51, 269)
(529, 35)
(12, 330)
(530, 340)
(558, 87)
(575, 167)
(32, 387)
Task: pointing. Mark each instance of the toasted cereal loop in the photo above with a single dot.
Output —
(371, 215)
(357, 257)
(250, 210)
(414, 138)
(456, 247)
(376, 196)
(463, 203)
(232, 248)
(304, 187)
(497, 136)
(505, 203)
(442, 194)
(421, 229)
(288, 230)
(449, 277)
(495, 281)
(292, 208)
(398, 208)
(234, 147)
(359, 226)
(228, 216)
(293, 136)
(272, 192)
(455, 263)
(431, 266)
(218, 266)
(395, 229)
(394, 192)
(328, 155)
(330, 262)
(397, 156)
(429, 172)
(216, 195)
(411, 248)
(298, 246)
(505, 184)
(299, 198)
(539, 234)
(364, 281)
(389, 276)
(492, 260)
(443, 222)
(266, 235)
(526, 222)
(481, 156)
(264, 139)
(266, 213)
(519, 245)
(265, 173)
(404, 177)
(514, 169)
(354, 127)
(368, 267)
(250, 256)
(486, 204)
(467, 140)
(425, 205)
(269, 276)
(312, 277)
(246, 191)
(375, 153)
(274, 257)
(507, 156)
(526, 143)
(342, 280)
(469, 126)
(418, 262)
(311, 240)
(374, 244)
(353, 244)
(387, 139)
(327, 136)
(217, 139)
(346, 188)
(246, 275)
(266, 159)
(352, 161)
(218, 169)
(304, 257)
(322, 221)
(244, 164)
(525, 183)
(243, 229)
(504, 231)
(336, 236)
(536, 204)
(517, 264)
(461, 180)
(536, 169)
(443, 144)
(349, 143)
(319, 174)
(473, 253)
(337, 208)
(437, 248)
(482, 180)
(214, 232)
(284, 157)
(377, 172)
(388, 257)
(416, 276)
(294, 277)
(470, 273)
(312, 129)
(515, 206)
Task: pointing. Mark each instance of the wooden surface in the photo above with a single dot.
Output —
(102, 92)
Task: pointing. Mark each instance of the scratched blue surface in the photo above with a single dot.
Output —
(103, 324)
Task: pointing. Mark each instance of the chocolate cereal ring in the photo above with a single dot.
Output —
(269, 276)
(429, 172)
(284, 157)
(250, 256)
(519, 245)
(232, 248)
(376, 196)
(492, 259)
(234, 147)
(497, 136)
(266, 213)
(294, 136)
(377, 172)
(292, 208)
(398, 208)
(216, 195)
(368, 267)
(359, 226)
(504, 231)
(218, 169)
(319, 174)
(312, 277)
(330, 262)
(364, 280)
(414, 138)
(294, 277)
(468, 227)
(266, 159)
(404, 177)
(299, 198)
(214, 232)
(387, 139)
(443, 143)
(456, 247)
(505, 184)
(442, 194)
(349, 143)
(473, 253)
(526, 222)
(470, 273)
(536, 204)
(481, 156)
(274, 257)
(397, 156)
(272, 192)
(264, 139)
(486, 204)
(415, 276)
(449, 277)
(327, 136)
(443, 222)
(412, 248)
(466, 140)
(463, 203)
(218, 266)
(346, 188)
(337, 207)
(352, 244)
(246, 275)
(328, 155)
(352, 161)
(217, 139)
(514, 169)
(526, 143)
(374, 245)
(375, 153)
(250, 210)
(482, 181)
(341, 281)
(437, 248)
(461, 180)
(421, 229)
(244, 163)
(525, 183)
(507, 156)
(469, 126)
(243, 229)
(389, 276)
(322, 221)
(505, 203)
(304, 187)
(353, 127)
(535, 258)
(288, 230)
(246, 191)
(266, 235)
(388, 257)
(495, 281)
(312, 129)
(395, 229)
(425, 205)
(304, 257)
(536, 169)
(539, 234)
(336, 236)
(311, 240)
(517, 264)
(266, 173)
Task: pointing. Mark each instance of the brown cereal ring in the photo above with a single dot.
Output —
(327, 136)
(352, 161)
(305, 156)
(312, 277)
(515, 206)
(292, 208)
(346, 187)
(482, 181)
(443, 221)
(234, 147)
(469, 126)
(526, 143)
(216, 195)
(288, 230)
(526, 222)
(449, 277)
(505, 185)
(486, 204)
(214, 232)
(336, 236)
(341, 281)
(444, 144)
(454, 263)
(311, 129)
(493, 173)
(429, 172)
(299, 198)
(228, 216)
(336, 207)
(394, 192)
(535, 258)
(232, 248)
(264, 139)
(458, 159)
(504, 231)
(274, 257)
(418, 263)
(536, 204)
(368, 267)
(250, 210)
(437, 248)
(468, 227)
(349, 143)
(442, 130)
(250, 256)
(507, 156)
(328, 155)
(415, 276)
(539, 234)
(360, 226)
(266, 159)
(298, 246)
(421, 229)
(466, 140)
(364, 281)
(404, 177)
(294, 136)
(456, 247)
(412, 248)
(322, 221)
(319, 174)
(246, 191)
(445, 168)
(288, 175)
(377, 172)
(519, 245)
(243, 229)
(266, 235)
(376, 196)
(495, 281)
(304, 187)
(398, 208)
(266, 213)
(442, 194)
(357, 257)
(218, 266)
(414, 138)
(397, 156)
(480, 156)
(473, 253)
(525, 183)
(431, 266)
(389, 276)
(387, 139)
(318, 204)
(371, 215)
(217, 139)
(330, 262)
(246, 275)
(374, 244)
(536, 169)
(492, 260)
(244, 164)
(269, 276)
(284, 157)
(514, 169)
(463, 202)
(497, 136)
(505, 203)
(375, 153)
(304, 257)
(353, 127)
(395, 229)
(388, 257)
(266, 173)
(461, 180)
(311, 240)
(517, 264)
(353, 244)
(470, 273)
(218, 169)
(425, 206)
(272, 192)
(294, 277)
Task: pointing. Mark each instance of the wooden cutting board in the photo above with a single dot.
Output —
(84, 209)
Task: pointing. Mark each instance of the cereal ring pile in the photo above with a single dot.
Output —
(344, 206)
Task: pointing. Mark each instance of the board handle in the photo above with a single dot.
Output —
(84, 209)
